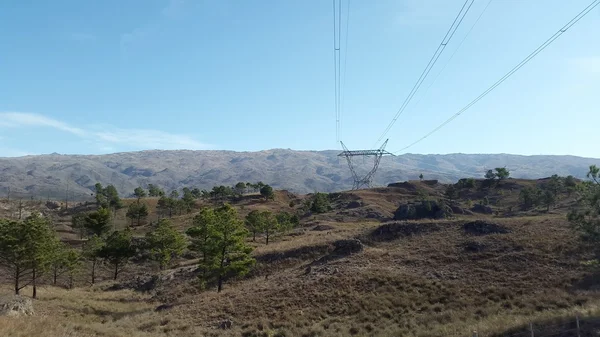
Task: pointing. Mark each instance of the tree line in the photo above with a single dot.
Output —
(548, 193)
(585, 217)
(30, 248)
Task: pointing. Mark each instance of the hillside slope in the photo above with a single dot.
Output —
(344, 274)
(297, 171)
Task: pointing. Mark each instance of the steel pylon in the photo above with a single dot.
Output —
(366, 180)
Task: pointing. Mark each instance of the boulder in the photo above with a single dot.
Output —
(425, 209)
(16, 305)
(347, 247)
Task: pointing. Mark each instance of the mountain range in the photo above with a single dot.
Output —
(57, 176)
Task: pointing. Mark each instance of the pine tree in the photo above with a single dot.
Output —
(40, 245)
(132, 212)
(287, 221)
(100, 197)
(271, 225)
(98, 222)
(188, 200)
(78, 223)
(91, 252)
(320, 203)
(154, 191)
(137, 211)
(112, 196)
(586, 218)
(72, 264)
(267, 192)
(240, 188)
(233, 254)
(139, 193)
(118, 249)
(166, 205)
(202, 234)
(220, 236)
(165, 243)
(13, 251)
(254, 223)
(66, 260)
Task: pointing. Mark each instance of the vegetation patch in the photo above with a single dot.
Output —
(480, 227)
(396, 230)
(342, 249)
(302, 253)
(321, 228)
(474, 247)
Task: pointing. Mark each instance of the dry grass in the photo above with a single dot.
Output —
(418, 284)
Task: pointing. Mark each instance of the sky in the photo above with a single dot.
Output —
(94, 77)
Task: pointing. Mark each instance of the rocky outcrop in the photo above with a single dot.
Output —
(16, 305)
(347, 247)
(425, 209)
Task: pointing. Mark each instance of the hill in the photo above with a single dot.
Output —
(353, 270)
(49, 176)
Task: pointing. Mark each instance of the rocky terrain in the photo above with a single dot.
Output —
(368, 266)
(50, 176)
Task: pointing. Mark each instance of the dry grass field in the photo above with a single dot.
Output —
(412, 278)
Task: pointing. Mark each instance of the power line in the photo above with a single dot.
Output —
(335, 75)
(337, 65)
(438, 52)
(539, 49)
(343, 93)
(454, 53)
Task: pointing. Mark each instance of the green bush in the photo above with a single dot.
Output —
(320, 203)
(466, 183)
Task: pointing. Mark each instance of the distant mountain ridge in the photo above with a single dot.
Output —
(298, 171)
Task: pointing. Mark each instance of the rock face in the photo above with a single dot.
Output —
(426, 209)
(16, 305)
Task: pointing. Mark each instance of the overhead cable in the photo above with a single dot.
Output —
(438, 52)
(539, 49)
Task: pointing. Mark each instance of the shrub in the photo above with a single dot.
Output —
(320, 203)
(466, 183)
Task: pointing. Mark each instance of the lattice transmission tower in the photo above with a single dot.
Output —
(366, 180)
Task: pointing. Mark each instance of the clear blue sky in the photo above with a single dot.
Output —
(106, 76)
